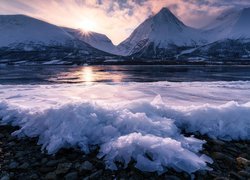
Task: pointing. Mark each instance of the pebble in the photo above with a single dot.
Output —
(235, 175)
(24, 166)
(94, 175)
(221, 156)
(1, 136)
(51, 175)
(244, 174)
(44, 160)
(52, 163)
(63, 168)
(6, 177)
(71, 176)
(20, 154)
(86, 166)
(242, 162)
(45, 169)
(34, 176)
(172, 178)
(13, 165)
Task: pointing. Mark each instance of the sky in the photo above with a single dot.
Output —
(117, 18)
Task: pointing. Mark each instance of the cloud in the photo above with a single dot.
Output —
(117, 18)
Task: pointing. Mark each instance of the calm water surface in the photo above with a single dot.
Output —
(128, 73)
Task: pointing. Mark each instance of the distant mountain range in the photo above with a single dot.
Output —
(162, 36)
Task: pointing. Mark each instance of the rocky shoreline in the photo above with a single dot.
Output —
(23, 159)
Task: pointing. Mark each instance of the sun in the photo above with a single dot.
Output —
(88, 25)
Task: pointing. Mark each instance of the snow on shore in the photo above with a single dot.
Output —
(129, 121)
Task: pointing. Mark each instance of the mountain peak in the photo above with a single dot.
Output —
(165, 10)
(165, 13)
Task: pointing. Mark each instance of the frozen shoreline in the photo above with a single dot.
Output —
(147, 129)
(23, 159)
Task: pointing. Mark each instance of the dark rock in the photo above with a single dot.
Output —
(24, 166)
(221, 178)
(46, 169)
(20, 154)
(86, 166)
(244, 174)
(72, 156)
(44, 160)
(52, 163)
(51, 175)
(77, 165)
(221, 156)
(34, 176)
(11, 143)
(235, 175)
(5, 177)
(63, 168)
(218, 142)
(242, 162)
(168, 177)
(13, 165)
(94, 175)
(2, 136)
(71, 176)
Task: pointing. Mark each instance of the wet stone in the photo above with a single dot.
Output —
(71, 176)
(236, 176)
(244, 174)
(63, 168)
(242, 162)
(5, 177)
(86, 166)
(24, 166)
(50, 176)
(169, 177)
(52, 163)
(13, 165)
(94, 175)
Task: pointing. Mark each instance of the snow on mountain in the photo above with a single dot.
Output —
(16, 29)
(232, 24)
(161, 31)
(29, 40)
(97, 40)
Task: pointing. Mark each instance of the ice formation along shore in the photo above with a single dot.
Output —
(130, 121)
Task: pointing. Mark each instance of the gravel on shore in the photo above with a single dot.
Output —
(23, 159)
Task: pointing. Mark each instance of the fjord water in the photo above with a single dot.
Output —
(116, 73)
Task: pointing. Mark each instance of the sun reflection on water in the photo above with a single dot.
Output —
(89, 75)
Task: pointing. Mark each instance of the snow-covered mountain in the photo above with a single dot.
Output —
(97, 40)
(229, 37)
(232, 24)
(161, 31)
(26, 38)
(17, 29)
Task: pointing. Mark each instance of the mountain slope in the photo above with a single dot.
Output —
(97, 40)
(162, 31)
(30, 39)
(232, 24)
(16, 29)
(229, 35)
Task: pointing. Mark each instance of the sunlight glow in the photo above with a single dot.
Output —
(88, 25)
(87, 75)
